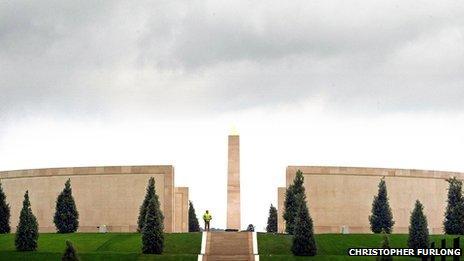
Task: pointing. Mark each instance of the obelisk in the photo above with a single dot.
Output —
(233, 183)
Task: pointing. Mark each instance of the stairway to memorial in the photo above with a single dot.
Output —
(229, 246)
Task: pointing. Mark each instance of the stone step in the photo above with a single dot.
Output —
(228, 257)
(229, 245)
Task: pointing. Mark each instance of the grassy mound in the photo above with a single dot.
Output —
(335, 246)
(110, 246)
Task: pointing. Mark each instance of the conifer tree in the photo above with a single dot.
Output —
(454, 215)
(194, 226)
(381, 218)
(4, 213)
(152, 231)
(290, 209)
(418, 231)
(385, 245)
(298, 183)
(66, 217)
(27, 232)
(304, 243)
(272, 220)
(143, 208)
(291, 201)
(70, 253)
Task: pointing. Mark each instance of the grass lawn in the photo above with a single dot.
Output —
(110, 246)
(186, 246)
(334, 246)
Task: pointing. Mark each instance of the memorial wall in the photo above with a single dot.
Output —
(109, 196)
(342, 196)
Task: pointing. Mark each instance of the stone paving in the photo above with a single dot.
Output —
(236, 246)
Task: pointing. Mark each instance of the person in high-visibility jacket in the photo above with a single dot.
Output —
(207, 218)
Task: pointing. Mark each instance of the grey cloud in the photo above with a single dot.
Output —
(188, 57)
(204, 36)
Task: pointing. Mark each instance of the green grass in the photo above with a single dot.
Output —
(334, 246)
(186, 246)
(110, 246)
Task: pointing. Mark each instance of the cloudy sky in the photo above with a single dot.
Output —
(355, 83)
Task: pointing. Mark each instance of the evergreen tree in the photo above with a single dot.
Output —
(381, 218)
(143, 208)
(272, 220)
(66, 217)
(4, 213)
(290, 209)
(152, 231)
(298, 183)
(70, 253)
(27, 232)
(418, 231)
(194, 226)
(291, 201)
(454, 215)
(385, 245)
(304, 243)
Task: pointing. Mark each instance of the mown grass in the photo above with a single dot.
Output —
(110, 246)
(335, 246)
(186, 246)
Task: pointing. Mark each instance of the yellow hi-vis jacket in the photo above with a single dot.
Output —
(207, 217)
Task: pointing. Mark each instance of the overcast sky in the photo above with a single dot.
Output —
(355, 83)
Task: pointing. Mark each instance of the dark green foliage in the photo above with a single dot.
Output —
(143, 208)
(381, 218)
(152, 231)
(66, 217)
(303, 243)
(298, 183)
(291, 201)
(272, 220)
(70, 253)
(27, 232)
(418, 231)
(4, 213)
(194, 226)
(250, 228)
(152, 225)
(290, 209)
(385, 245)
(454, 215)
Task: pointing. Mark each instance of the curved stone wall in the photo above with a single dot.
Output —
(108, 196)
(342, 196)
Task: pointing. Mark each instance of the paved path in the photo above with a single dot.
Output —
(237, 246)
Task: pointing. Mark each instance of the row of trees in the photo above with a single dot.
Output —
(418, 236)
(381, 218)
(65, 218)
(150, 221)
(299, 222)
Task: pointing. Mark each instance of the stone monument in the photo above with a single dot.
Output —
(233, 184)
